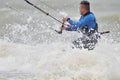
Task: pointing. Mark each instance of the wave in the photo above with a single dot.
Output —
(46, 61)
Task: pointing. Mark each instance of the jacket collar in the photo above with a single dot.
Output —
(86, 13)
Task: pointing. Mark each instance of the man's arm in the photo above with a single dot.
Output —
(74, 25)
(81, 23)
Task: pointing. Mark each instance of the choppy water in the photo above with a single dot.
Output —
(29, 50)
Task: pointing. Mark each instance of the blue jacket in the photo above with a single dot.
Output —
(85, 20)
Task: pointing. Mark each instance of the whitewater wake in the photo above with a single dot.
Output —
(56, 62)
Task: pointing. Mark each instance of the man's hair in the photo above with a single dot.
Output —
(86, 4)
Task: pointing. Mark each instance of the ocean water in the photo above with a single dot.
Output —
(30, 50)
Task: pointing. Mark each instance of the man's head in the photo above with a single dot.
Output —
(84, 7)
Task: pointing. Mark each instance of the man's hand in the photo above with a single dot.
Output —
(64, 19)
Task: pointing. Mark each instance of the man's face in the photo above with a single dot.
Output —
(82, 9)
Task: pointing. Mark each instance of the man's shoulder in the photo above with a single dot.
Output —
(90, 16)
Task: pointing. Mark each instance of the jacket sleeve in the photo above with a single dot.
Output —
(74, 25)
(81, 23)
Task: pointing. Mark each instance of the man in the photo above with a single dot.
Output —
(87, 24)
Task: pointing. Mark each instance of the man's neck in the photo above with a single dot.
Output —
(86, 13)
